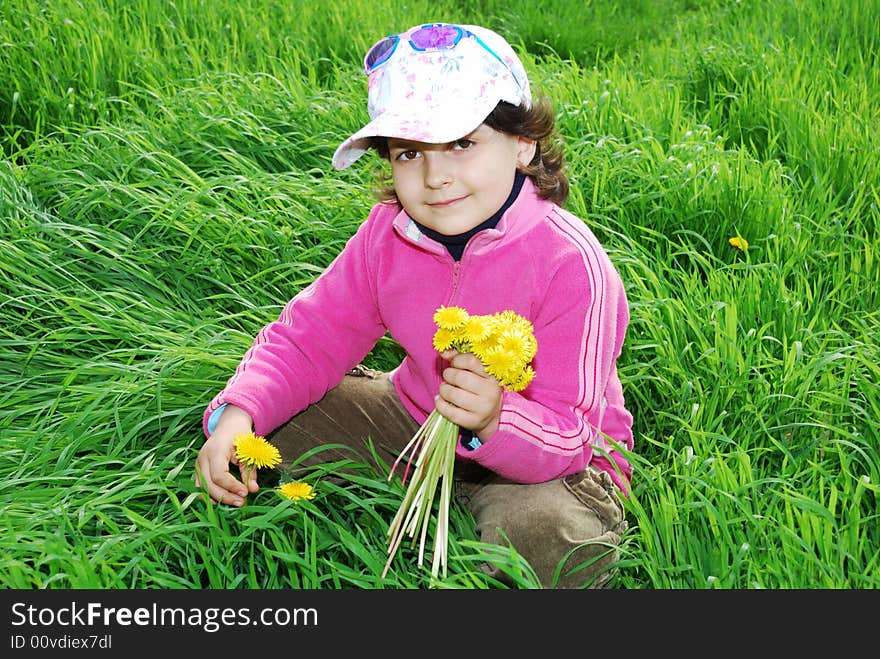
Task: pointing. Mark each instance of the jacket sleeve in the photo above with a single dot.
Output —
(549, 430)
(323, 332)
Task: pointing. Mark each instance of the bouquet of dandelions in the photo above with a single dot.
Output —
(505, 344)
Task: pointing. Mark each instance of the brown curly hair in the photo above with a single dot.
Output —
(534, 123)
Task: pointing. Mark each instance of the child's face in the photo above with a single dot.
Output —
(454, 186)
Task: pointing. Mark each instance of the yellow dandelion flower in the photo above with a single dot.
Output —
(522, 381)
(509, 318)
(517, 344)
(459, 340)
(740, 243)
(480, 348)
(476, 329)
(499, 363)
(523, 327)
(531, 348)
(297, 490)
(450, 317)
(487, 337)
(443, 339)
(254, 451)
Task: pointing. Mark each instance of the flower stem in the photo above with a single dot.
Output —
(432, 454)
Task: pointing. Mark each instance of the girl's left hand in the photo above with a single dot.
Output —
(469, 397)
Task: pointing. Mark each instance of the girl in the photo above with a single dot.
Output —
(473, 218)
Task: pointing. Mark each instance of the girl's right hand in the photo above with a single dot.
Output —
(218, 452)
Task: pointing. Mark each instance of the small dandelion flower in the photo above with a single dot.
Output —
(516, 343)
(523, 379)
(739, 243)
(443, 339)
(296, 490)
(499, 363)
(476, 329)
(254, 451)
(511, 319)
(450, 318)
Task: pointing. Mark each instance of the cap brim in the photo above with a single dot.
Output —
(448, 122)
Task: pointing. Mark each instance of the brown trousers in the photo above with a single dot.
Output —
(567, 529)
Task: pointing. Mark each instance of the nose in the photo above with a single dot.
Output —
(439, 170)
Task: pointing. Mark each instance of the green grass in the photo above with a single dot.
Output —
(166, 187)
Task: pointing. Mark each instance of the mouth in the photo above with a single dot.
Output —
(446, 204)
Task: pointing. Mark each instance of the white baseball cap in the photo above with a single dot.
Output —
(435, 83)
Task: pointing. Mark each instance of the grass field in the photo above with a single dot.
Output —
(165, 187)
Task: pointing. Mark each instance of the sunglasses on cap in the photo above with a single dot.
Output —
(432, 36)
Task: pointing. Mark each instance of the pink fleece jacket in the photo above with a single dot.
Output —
(540, 261)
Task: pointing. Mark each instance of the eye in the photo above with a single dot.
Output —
(463, 144)
(408, 154)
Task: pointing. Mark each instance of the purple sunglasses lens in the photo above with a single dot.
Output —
(436, 37)
(380, 52)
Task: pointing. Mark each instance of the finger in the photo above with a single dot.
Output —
(229, 483)
(469, 362)
(220, 495)
(248, 476)
(459, 396)
(457, 415)
(469, 380)
(222, 486)
(225, 496)
(202, 473)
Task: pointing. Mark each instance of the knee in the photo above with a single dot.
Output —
(569, 530)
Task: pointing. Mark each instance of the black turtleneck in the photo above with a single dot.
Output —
(456, 244)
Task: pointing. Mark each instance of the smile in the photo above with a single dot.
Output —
(447, 203)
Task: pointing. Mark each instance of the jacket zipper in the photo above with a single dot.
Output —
(456, 272)
(456, 277)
